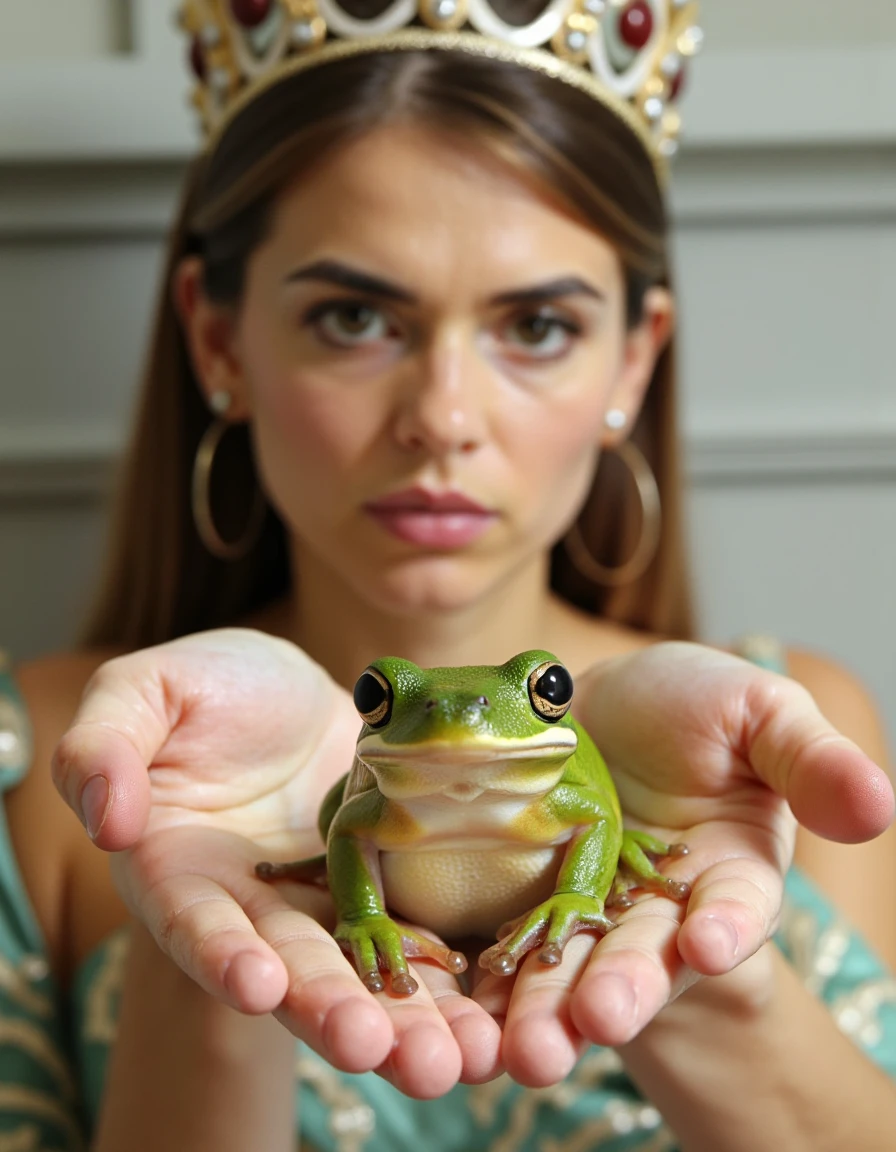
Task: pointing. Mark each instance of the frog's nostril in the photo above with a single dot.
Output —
(430, 704)
(483, 700)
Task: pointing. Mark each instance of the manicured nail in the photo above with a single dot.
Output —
(95, 805)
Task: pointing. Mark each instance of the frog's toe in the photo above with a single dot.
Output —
(499, 963)
(551, 954)
(416, 945)
(373, 981)
(677, 889)
(404, 984)
(678, 850)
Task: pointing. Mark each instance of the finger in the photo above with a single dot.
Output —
(733, 910)
(406, 1039)
(832, 787)
(100, 766)
(197, 922)
(325, 1004)
(632, 974)
(541, 1042)
(477, 1034)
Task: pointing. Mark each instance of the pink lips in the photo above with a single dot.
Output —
(441, 520)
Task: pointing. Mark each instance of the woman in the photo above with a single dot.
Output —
(430, 275)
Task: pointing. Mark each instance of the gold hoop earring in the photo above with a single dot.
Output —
(202, 505)
(651, 527)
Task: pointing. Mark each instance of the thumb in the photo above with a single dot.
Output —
(101, 765)
(833, 788)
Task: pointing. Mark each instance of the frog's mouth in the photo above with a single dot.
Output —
(467, 749)
(468, 766)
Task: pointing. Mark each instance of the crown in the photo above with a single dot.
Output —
(631, 55)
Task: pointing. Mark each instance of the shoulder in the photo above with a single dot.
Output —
(46, 837)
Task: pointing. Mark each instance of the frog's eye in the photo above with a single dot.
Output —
(550, 690)
(373, 698)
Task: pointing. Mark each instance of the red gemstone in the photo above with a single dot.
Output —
(636, 25)
(677, 83)
(197, 59)
(249, 13)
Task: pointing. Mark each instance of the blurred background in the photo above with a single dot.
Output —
(784, 200)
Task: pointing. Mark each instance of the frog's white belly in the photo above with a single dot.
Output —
(469, 891)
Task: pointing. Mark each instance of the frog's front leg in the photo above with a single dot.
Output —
(583, 882)
(364, 930)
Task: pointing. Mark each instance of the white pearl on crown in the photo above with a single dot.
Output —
(691, 41)
(302, 33)
(576, 41)
(671, 65)
(653, 108)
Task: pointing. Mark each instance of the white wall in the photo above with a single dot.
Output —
(785, 216)
(797, 23)
(62, 29)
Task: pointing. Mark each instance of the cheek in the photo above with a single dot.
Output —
(307, 436)
(560, 441)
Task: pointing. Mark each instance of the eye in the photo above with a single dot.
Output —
(542, 335)
(550, 691)
(373, 698)
(349, 323)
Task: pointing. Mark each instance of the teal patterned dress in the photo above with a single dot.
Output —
(53, 1050)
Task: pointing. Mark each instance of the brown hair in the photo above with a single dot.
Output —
(160, 580)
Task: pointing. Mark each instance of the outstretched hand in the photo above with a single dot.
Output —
(710, 750)
(196, 759)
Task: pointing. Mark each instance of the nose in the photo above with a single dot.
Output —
(441, 411)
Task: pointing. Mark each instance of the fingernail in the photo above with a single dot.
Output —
(95, 805)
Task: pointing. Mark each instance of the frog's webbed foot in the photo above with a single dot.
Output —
(376, 943)
(550, 926)
(312, 870)
(635, 858)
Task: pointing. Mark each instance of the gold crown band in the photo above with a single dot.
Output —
(571, 41)
(421, 39)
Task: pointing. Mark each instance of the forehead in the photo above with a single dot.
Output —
(420, 205)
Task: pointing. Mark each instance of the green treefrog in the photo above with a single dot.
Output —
(476, 806)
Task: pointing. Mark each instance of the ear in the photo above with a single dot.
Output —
(209, 332)
(643, 345)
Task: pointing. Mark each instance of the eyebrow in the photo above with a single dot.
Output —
(344, 276)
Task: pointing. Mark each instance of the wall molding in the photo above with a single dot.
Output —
(136, 199)
(53, 467)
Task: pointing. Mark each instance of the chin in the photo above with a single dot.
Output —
(436, 585)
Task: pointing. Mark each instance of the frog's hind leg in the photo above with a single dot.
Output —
(312, 870)
(637, 848)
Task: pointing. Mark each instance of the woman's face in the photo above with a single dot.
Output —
(427, 349)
